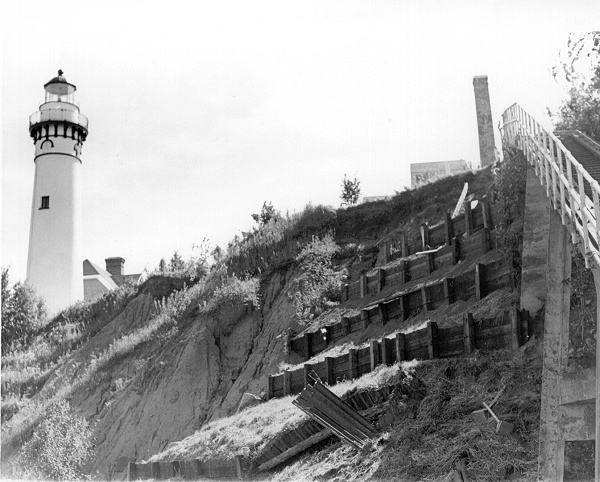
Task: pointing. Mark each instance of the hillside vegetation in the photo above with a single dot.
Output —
(150, 365)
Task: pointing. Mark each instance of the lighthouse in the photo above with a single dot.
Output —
(54, 263)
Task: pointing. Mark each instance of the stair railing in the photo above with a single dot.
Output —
(563, 176)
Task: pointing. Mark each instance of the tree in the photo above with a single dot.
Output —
(176, 263)
(578, 70)
(23, 311)
(350, 191)
(267, 213)
(59, 446)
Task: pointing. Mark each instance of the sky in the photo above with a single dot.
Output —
(201, 111)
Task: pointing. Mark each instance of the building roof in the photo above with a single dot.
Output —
(92, 270)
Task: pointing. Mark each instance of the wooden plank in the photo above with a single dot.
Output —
(382, 313)
(347, 409)
(432, 339)
(405, 249)
(455, 250)
(374, 354)
(307, 443)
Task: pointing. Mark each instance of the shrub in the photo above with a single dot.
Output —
(59, 447)
(23, 311)
(350, 191)
(319, 283)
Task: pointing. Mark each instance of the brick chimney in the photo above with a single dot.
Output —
(115, 266)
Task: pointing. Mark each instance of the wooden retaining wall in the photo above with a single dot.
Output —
(478, 242)
(188, 470)
(510, 330)
(478, 282)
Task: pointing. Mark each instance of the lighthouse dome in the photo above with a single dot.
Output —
(59, 85)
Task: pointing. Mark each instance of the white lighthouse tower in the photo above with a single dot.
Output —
(54, 264)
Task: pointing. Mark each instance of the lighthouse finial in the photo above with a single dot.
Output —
(60, 72)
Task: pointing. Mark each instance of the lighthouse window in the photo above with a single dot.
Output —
(45, 202)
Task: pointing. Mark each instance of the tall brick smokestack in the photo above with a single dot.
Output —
(485, 126)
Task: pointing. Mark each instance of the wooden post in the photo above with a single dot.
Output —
(364, 289)
(307, 345)
(431, 262)
(405, 249)
(432, 339)
(352, 364)
(270, 380)
(400, 347)
(455, 250)
(307, 369)
(515, 328)
(155, 470)
(344, 293)
(387, 252)
(425, 236)
(287, 383)
(176, 468)
(329, 375)
(131, 471)
(487, 214)
(374, 354)
(346, 325)
(382, 313)
(404, 274)
(469, 333)
(449, 290)
(468, 218)
(238, 466)
(448, 231)
(479, 281)
(364, 317)
(387, 351)
(380, 280)
(424, 297)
